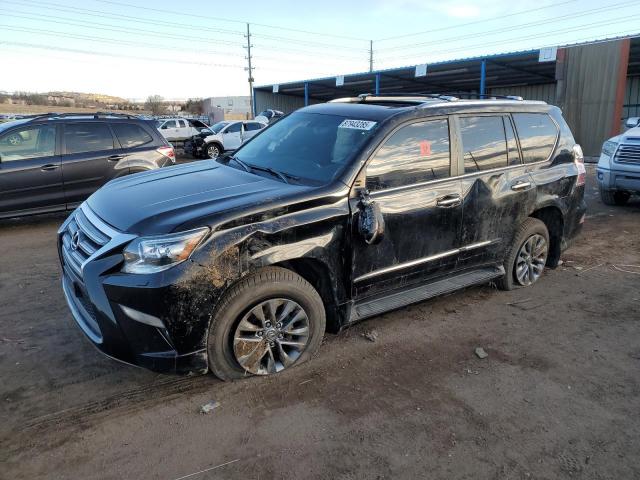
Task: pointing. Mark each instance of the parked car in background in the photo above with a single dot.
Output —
(269, 116)
(222, 137)
(61, 159)
(339, 212)
(618, 170)
(179, 129)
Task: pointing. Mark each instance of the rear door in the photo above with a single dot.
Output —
(497, 189)
(412, 180)
(89, 159)
(232, 136)
(30, 173)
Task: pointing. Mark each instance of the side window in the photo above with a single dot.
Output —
(234, 128)
(252, 126)
(416, 153)
(87, 137)
(537, 133)
(131, 135)
(169, 124)
(483, 142)
(31, 142)
(183, 123)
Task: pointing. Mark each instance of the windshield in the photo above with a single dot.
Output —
(309, 146)
(218, 126)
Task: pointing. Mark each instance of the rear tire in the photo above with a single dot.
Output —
(527, 255)
(614, 197)
(240, 344)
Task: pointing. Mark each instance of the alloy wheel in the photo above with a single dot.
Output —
(14, 140)
(531, 260)
(213, 151)
(271, 336)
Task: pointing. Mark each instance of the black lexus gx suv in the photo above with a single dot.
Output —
(54, 161)
(338, 212)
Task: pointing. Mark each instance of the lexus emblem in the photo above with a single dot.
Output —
(75, 240)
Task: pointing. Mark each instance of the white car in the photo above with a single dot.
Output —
(179, 129)
(227, 135)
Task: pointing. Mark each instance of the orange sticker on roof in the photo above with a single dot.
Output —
(425, 148)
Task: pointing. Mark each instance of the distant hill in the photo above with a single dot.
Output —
(89, 97)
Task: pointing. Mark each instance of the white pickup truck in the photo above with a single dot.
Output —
(179, 129)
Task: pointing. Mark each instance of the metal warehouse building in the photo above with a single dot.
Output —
(596, 84)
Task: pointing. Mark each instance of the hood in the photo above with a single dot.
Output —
(162, 200)
(632, 133)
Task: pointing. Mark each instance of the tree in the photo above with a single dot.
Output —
(155, 103)
(194, 105)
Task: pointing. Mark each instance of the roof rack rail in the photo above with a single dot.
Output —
(440, 96)
(485, 96)
(81, 114)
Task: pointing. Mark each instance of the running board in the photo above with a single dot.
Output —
(424, 292)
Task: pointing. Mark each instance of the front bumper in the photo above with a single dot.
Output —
(618, 179)
(144, 320)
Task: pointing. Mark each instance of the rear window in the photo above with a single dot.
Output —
(537, 133)
(87, 137)
(131, 135)
(252, 126)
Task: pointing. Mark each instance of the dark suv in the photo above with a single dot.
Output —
(336, 213)
(55, 161)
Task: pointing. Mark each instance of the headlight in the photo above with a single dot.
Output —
(609, 147)
(154, 254)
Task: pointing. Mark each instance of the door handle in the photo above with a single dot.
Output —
(49, 166)
(449, 201)
(115, 158)
(516, 187)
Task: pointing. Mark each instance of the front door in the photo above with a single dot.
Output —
(232, 136)
(413, 181)
(497, 188)
(89, 159)
(30, 173)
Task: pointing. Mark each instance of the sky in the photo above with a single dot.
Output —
(189, 49)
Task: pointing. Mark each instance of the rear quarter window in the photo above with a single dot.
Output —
(538, 134)
(131, 135)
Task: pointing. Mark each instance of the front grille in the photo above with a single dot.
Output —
(628, 153)
(80, 240)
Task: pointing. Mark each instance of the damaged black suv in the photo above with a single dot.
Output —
(336, 213)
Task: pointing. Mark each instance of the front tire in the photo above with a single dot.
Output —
(526, 256)
(614, 197)
(270, 320)
(213, 151)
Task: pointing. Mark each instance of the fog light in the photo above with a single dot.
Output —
(600, 176)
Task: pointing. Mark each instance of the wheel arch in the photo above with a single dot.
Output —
(553, 219)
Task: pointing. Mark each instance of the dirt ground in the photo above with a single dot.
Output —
(557, 397)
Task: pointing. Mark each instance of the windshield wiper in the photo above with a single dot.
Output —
(271, 171)
(241, 163)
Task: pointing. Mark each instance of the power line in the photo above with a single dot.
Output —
(109, 27)
(476, 22)
(174, 12)
(517, 39)
(107, 40)
(510, 28)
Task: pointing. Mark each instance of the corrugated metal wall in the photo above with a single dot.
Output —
(545, 92)
(279, 101)
(587, 92)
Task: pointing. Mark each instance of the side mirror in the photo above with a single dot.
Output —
(632, 122)
(370, 221)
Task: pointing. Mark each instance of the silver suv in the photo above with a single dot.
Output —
(618, 169)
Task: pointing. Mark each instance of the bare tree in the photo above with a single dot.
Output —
(155, 103)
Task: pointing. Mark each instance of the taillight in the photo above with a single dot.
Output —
(578, 158)
(167, 152)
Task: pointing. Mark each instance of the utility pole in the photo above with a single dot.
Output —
(249, 69)
(371, 55)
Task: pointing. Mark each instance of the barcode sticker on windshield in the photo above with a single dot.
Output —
(357, 124)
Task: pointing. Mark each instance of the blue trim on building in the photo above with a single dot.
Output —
(306, 93)
(378, 83)
(483, 77)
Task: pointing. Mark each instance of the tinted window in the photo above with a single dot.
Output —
(537, 133)
(513, 154)
(415, 153)
(30, 142)
(87, 137)
(131, 135)
(252, 126)
(233, 128)
(484, 143)
(312, 146)
(197, 124)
